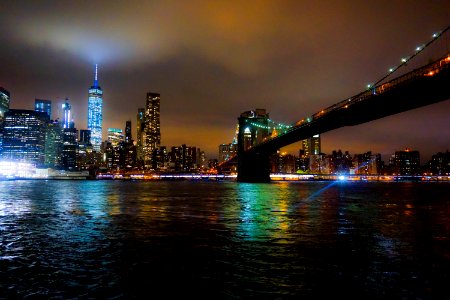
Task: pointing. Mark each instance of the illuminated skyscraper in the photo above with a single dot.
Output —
(53, 144)
(4, 102)
(310, 157)
(152, 139)
(226, 151)
(69, 153)
(66, 114)
(140, 133)
(95, 113)
(24, 136)
(4, 107)
(42, 105)
(311, 146)
(115, 136)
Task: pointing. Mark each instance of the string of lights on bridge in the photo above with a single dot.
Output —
(406, 59)
(271, 125)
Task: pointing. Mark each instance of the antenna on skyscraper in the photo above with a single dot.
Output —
(96, 78)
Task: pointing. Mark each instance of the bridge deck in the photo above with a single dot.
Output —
(420, 87)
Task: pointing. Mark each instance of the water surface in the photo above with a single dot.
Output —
(224, 240)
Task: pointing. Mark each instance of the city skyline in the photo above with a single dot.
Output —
(291, 59)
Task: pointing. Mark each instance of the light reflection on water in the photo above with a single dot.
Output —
(223, 239)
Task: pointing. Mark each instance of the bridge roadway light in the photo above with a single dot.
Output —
(404, 59)
(391, 70)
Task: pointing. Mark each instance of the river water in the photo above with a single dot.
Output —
(224, 240)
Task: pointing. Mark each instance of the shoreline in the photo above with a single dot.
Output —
(210, 177)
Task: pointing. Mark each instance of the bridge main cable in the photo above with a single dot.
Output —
(436, 36)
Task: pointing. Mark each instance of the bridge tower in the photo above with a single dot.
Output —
(253, 166)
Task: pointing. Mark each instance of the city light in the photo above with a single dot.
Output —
(13, 170)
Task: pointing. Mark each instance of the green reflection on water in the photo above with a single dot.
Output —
(262, 212)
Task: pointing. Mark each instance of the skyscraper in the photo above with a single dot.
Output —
(24, 136)
(69, 153)
(152, 139)
(85, 136)
(4, 102)
(311, 145)
(226, 151)
(42, 105)
(128, 131)
(4, 107)
(95, 113)
(53, 144)
(140, 134)
(115, 136)
(66, 114)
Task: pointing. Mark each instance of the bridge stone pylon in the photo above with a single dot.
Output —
(253, 166)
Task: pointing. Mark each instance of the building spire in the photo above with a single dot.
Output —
(96, 78)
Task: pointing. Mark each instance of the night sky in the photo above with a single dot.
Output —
(212, 60)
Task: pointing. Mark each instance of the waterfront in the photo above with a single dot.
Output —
(284, 240)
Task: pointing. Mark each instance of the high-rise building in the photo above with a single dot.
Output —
(128, 131)
(340, 162)
(53, 144)
(69, 153)
(282, 162)
(115, 136)
(127, 155)
(4, 102)
(439, 163)
(161, 159)
(183, 159)
(42, 105)
(201, 160)
(407, 162)
(95, 113)
(4, 107)
(66, 114)
(85, 136)
(24, 136)
(366, 163)
(311, 145)
(86, 159)
(140, 124)
(226, 151)
(152, 139)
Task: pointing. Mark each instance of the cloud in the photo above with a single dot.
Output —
(237, 35)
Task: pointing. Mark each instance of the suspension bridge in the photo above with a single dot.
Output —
(259, 137)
